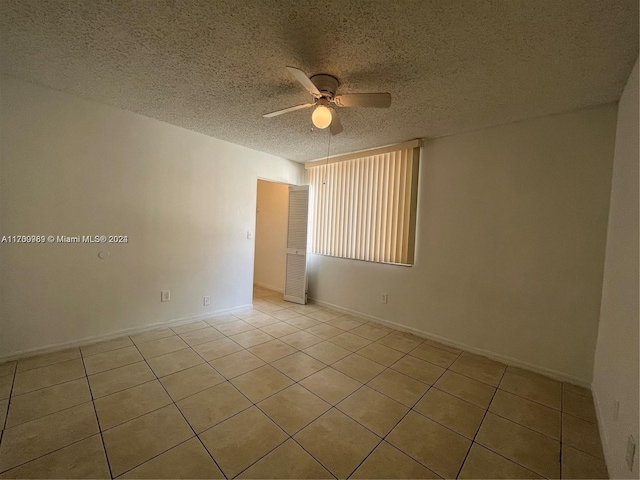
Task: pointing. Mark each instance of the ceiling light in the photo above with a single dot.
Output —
(321, 117)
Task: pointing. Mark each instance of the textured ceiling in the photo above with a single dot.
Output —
(217, 66)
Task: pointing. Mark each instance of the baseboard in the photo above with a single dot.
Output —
(555, 374)
(601, 429)
(119, 333)
(270, 287)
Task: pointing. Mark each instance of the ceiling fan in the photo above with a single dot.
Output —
(323, 89)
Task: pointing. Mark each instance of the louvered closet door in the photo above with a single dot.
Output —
(295, 289)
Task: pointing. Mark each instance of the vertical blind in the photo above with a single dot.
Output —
(364, 207)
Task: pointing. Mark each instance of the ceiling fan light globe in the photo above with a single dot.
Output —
(321, 117)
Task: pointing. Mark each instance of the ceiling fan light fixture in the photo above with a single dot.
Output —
(321, 117)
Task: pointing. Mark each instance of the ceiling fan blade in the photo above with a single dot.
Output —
(304, 80)
(287, 110)
(336, 125)
(375, 100)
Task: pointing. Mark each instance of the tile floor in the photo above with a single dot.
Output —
(288, 391)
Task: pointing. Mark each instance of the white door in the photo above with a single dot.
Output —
(295, 288)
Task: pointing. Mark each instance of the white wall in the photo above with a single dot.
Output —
(74, 167)
(510, 244)
(616, 360)
(271, 235)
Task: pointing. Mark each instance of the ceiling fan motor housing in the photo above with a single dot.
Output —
(327, 85)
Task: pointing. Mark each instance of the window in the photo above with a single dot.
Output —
(364, 204)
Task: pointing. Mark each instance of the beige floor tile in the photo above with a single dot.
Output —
(30, 380)
(33, 439)
(261, 383)
(121, 378)
(398, 386)
(582, 435)
(252, 313)
(216, 349)
(327, 352)
(575, 389)
(236, 364)
(577, 464)
(442, 346)
(302, 322)
(272, 351)
(399, 342)
(526, 373)
(485, 464)
(324, 331)
(190, 381)
(264, 321)
(379, 353)
(345, 323)
(200, 336)
(251, 338)
(386, 461)
(579, 406)
(460, 416)
(284, 314)
(241, 440)
(102, 362)
(294, 408)
(350, 341)
(8, 368)
(212, 406)
(298, 366)
(4, 407)
(433, 445)
(187, 460)
(300, 339)
(174, 362)
(419, 369)
(106, 346)
(152, 335)
(375, 411)
(369, 332)
(358, 367)
(139, 440)
(161, 347)
(337, 442)
(479, 368)
(289, 460)
(84, 459)
(434, 355)
(30, 406)
(234, 328)
(304, 309)
(525, 412)
(478, 393)
(324, 315)
(279, 329)
(330, 385)
(189, 327)
(126, 405)
(545, 391)
(267, 307)
(48, 359)
(383, 327)
(219, 320)
(522, 445)
(6, 382)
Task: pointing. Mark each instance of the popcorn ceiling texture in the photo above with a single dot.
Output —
(216, 66)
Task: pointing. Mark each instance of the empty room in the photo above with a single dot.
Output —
(270, 239)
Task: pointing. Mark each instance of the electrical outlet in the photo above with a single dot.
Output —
(165, 295)
(249, 234)
(631, 452)
(384, 297)
(616, 409)
(207, 301)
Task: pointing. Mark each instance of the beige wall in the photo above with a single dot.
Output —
(510, 245)
(617, 361)
(74, 167)
(271, 235)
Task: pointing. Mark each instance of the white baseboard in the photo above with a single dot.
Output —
(555, 374)
(601, 429)
(119, 333)
(270, 287)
